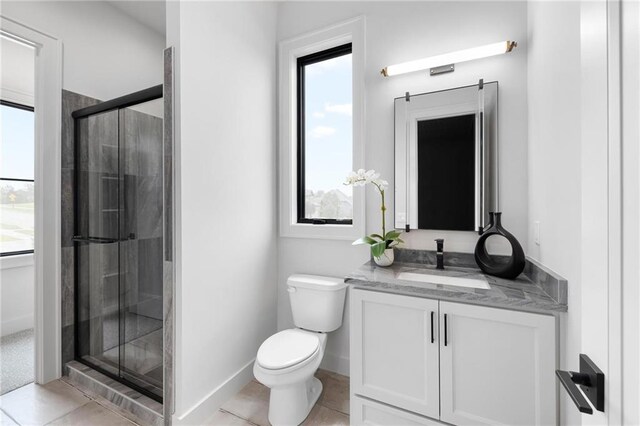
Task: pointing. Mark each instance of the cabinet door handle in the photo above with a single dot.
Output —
(432, 336)
(446, 336)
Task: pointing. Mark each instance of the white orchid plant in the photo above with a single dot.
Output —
(378, 242)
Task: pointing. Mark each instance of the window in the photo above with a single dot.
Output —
(16, 179)
(320, 132)
(325, 137)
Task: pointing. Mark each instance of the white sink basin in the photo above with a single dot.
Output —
(444, 280)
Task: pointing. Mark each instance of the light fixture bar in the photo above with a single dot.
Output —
(450, 58)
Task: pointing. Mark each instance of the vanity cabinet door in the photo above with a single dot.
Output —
(367, 412)
(496, 366)
(393, 358)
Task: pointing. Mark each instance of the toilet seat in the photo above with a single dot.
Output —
(288, 348)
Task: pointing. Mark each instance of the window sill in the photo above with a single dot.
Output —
(325, 231)
(17, 261)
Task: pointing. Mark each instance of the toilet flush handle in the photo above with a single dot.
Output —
(291, 289)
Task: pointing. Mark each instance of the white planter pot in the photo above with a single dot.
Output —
(386, 259)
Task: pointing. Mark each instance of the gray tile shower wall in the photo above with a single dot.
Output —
(149, 295)
(70, 102)
(141, 257)
(97, 212)
(167, 219)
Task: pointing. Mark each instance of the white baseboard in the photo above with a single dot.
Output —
(203, 410)
(13, 325)
(335, 363)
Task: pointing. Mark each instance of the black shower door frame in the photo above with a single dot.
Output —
(146, 95)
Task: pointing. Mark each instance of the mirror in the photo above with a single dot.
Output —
(446, 158)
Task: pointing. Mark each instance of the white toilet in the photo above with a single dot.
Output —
(287, 361)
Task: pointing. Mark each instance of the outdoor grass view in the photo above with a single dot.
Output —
(16, 216)
(16, 179)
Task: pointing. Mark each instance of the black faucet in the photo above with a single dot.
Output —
(439, 253)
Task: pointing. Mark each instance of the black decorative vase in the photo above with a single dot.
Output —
(489, 265)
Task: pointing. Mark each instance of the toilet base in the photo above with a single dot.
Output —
(290, 405)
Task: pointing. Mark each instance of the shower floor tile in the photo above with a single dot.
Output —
(136, 326)
(141, 355)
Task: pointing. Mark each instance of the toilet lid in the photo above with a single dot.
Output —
(287, 348)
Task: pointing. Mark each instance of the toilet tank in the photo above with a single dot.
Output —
(317, 302)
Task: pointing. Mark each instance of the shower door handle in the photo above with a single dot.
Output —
(96, 240)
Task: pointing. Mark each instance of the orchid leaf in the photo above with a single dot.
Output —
(377, 236)
(364, 240)
(392, 235)
(378, 248)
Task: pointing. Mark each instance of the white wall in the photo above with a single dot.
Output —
(106, 53)
(554, 159)
(631, 213)
(16, 293)
(397, 32)
(226, 242)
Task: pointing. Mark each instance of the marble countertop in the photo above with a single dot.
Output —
(519, 294)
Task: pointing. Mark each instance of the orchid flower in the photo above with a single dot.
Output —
(378, 243)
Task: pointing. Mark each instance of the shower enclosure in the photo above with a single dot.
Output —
(118, 239)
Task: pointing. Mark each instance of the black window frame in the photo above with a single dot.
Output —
(24, 108)
(302, 62)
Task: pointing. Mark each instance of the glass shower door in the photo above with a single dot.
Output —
(141, 260)
(119, 241)
(97, 240)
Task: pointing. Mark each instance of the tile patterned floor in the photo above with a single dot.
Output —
(60, 403)
(57, 403)
(251, 405)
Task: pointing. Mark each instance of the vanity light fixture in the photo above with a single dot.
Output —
(445, 63)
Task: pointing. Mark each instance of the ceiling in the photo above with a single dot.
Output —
(150, 13)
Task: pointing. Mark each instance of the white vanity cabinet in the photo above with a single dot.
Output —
(497, 366)
(481, 365)
(392, 357)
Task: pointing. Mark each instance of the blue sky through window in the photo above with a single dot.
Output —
(17, 143)
(16, 162)
(328, 127)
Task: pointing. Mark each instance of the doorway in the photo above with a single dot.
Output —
(47, 100)
(17, 213)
